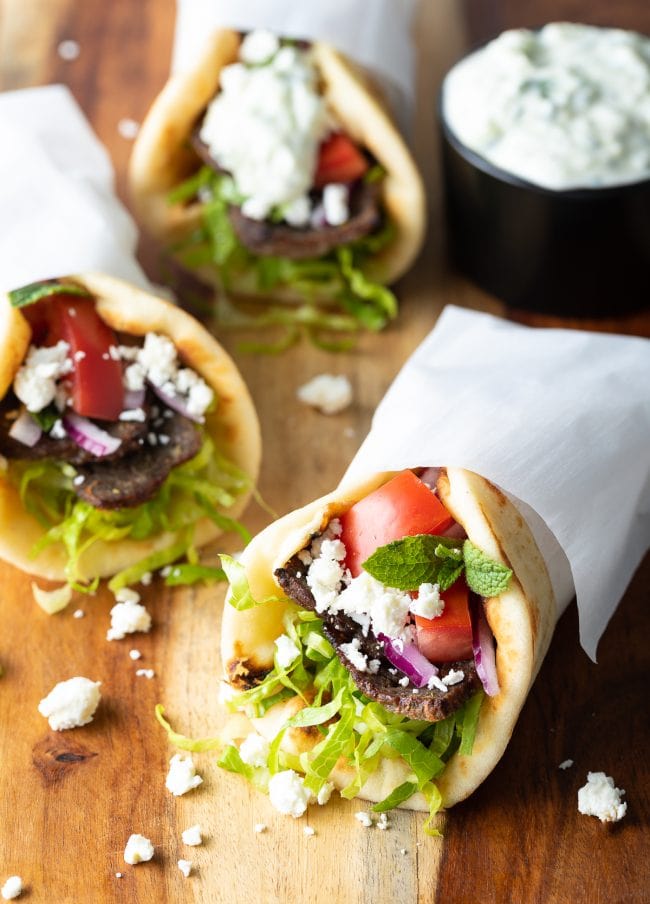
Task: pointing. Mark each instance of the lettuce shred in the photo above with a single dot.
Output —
(352, 727)
(202, 487)
(351, 301)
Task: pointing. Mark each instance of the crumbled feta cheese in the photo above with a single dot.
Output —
(330, 394)
(288, 793)
(436, 682)
(254, 750)
(128, 128)
(336, 204)
(298, 212)
(36, 379)
(403, 851)
(68, 50)
(182, 776)
(57, 430)
(118, 875)
(286, 651)
(386, 607)
(192, 836)
(71, 703)
(78, 480)
(454, 676)
(12, 888)
(565, 764)
(599, 797)
(309, 831)
(364, 818)
(258, 47)
(326, 573)
(266, 124)
(145, 673)
(382, 822)
(352, 652)
(404, 682)
(126, 618)
(135, 654)
(133, 414)
(185, 866)
(138, 849)
(374, 665)
(259, 827)
(78, 613)
(428, 603)
(325, 793)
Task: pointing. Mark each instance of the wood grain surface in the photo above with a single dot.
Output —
(69, 800)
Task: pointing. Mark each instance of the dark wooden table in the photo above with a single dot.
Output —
(68, 802)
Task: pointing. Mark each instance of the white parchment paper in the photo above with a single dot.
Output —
(559, 419)
(375, 33)
(58, 212)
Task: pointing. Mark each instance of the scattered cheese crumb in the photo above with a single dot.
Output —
(192, 836)
(330, 394)
(145, 673)
(185, 866)
(71, 703)
(118, 875)
(565, 764)
(254, 750)
(453, 676)
(127, 617)
(309, 831)
(135, 654)
(382, 822)
(138, 849)
(404, 682)
(403, 851)
(128, 128)
(182, 776)
(259, 827)
(69, 50)
(364, 818)
(12, 888)
(286, 651)
(78, 613)
(599, 797)
(428, 603)
(288, 793)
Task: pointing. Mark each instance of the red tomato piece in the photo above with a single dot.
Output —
(339, 160)
(448, 637)
(403, 507)
(97, 387)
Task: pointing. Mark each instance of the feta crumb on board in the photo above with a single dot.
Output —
(78, 613)
(12, 888)
(364, 818)
(128, 615)
(185, 866)
(288, 793)
(138, 849)
(71, 703)
(182, 776)
(601, 798)
(192, 836)
(565, 764)
(309, 831)
(259, 827)
(330, 394)
(254, 750)
(145, 673)
(128, 128)
(68, 50)
(135, 654)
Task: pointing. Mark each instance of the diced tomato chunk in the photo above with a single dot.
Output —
(97, 386)
(402, 507)
(448, 637)
(339, 160)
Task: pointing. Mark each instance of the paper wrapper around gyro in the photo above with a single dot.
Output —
(351, 65)
(528, 428)
(55, 165)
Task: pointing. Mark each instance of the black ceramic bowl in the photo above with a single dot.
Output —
(574, 253)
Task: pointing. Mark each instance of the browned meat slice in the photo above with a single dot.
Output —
(129, 432)
(383, 687)
(138, 477)
(280, 240)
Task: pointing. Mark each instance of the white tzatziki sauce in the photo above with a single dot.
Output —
(265, 127)
(564, 107)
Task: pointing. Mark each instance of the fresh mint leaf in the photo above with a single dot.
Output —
(411, 561)
(484, 576)
(20, 298)
(449, 573)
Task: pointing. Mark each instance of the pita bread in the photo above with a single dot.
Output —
(162, 157)
(233, 425)
(522, 620)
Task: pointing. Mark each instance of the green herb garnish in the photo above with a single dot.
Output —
(20, 298)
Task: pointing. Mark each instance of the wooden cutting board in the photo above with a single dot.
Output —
(69, 800)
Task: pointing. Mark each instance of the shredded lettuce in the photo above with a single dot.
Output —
(351, 300)
(198, 488)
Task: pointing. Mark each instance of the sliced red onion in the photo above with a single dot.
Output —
(430, 476)
(483, 647)
(455, 532)
(133, 398)
(407, 658)
(25, 429)
(175, 402)
(89, 436)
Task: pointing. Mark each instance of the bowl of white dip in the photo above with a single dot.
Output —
(546, 153)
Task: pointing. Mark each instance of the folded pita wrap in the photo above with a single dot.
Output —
(522, 620)
(163, 158)
(232, 425)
